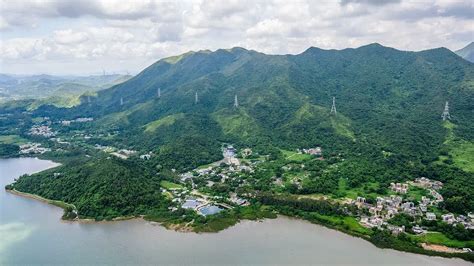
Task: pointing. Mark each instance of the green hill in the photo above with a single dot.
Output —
(388, 123)
(387, 98)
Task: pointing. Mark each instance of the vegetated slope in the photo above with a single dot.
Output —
(102, 189)
(388, 101)
(389, 98)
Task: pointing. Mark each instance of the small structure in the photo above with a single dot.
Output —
(417, 230)
(448, 218)
(333, 107)
(191, 204)
(445, 115)
(401, 188)
(236, 102)
(313, 151)
(430, 216)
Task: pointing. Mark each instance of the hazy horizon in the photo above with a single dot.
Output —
(86, 37)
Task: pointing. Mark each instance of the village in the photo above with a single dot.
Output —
(378, 214)
(213, 188)
(200, 181)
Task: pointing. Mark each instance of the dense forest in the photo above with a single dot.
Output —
(387, 127)
(102, 189)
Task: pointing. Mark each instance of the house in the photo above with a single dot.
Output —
(229, 151)
(401, 188)
(408, 205)
(425, 200)
(471, 216)
(423, 207)
(396, 230)
(430, 216)
(417, 229)
(360, 199)
(313, 151)
(448, 218)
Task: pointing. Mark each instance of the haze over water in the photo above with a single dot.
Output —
(31, 232)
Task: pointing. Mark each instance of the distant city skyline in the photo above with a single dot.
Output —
(88, 36)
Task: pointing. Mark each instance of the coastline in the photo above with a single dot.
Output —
(421, 248)
(424, 249)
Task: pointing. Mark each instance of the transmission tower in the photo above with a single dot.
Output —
(121, 100)
(196, 99)
(88, 99)
(333, 108)
(159, 92)
(236, 102)
(445, 115)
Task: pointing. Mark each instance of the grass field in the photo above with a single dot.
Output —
(415, 193)
(12, 139)
(441, 239)
(349, 223)
(463, 155)
(353, 193)
(170, 185)
(294, 156)
(462, 151)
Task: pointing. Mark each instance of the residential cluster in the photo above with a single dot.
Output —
(226, 170)
(193, 200)
(386, 208)
(33, 148)
(312, 151)
(77, 120)
(42, 130)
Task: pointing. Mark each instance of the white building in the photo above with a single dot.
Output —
(430, 216)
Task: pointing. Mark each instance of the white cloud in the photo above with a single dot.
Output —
(69, 37)
(129, 34)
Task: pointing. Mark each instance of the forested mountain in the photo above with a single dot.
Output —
(388, 125)
(467, 52)
(387, 99)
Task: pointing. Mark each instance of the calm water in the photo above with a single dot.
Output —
(31, 232)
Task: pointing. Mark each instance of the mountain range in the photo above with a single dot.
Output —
(58, 90)
(385, 127)
(385, 98)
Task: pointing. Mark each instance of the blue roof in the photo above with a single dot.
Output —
(210, 210)
(190, 204)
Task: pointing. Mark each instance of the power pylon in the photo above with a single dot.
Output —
(236, 102)
(333, 108)
(445, 115)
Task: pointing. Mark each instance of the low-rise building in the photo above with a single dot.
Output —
(430, 216)
(448, 218)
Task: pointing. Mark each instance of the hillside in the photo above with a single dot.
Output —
(388, 125)
(387, 99)
(467, 52)
(153, 145)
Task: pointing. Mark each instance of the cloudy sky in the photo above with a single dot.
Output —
(89, 36)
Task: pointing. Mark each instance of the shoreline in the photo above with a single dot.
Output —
(423, 248)
(429, 249)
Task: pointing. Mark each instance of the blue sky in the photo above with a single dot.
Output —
(89, 36)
